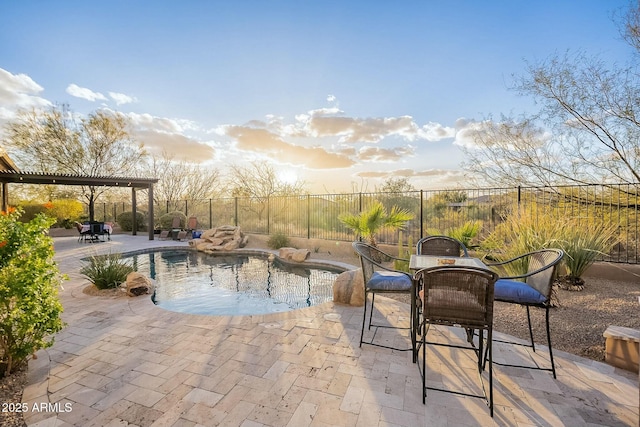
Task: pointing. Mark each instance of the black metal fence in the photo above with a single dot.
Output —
(435, 211)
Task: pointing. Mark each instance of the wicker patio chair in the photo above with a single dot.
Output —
(82, 234)
(441, 246)
(531, 289)
(380, 278)
(461, 297)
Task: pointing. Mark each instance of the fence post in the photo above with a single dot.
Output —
(308, 216)
(519, 195)
(421, 215)
(359, 202)
(235, 215)
(210, 214)
(186, 208)
(268, 215)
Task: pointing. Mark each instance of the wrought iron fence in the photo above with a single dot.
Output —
(435, 211)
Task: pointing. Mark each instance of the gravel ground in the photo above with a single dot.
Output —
(577, 324)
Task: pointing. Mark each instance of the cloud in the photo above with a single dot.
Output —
(329, 122)
(385, 154)
(121, 98)
(263, 141)
(180, 146)
(18, 91)
(161, 134)
(84, 93)
(424, 179)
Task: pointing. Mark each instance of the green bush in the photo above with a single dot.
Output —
(278, 240)
(29, 281)
(106, 271)
(29, 210)
(65, 211)
(125, 221)
(166, 220)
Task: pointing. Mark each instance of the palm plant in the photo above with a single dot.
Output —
(368, 223)
(464, 233)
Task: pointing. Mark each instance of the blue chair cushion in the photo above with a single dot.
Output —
(517, 292)
(389, 281)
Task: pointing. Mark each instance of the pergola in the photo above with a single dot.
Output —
(9, 174)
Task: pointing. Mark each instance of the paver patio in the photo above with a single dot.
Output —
(126, 362)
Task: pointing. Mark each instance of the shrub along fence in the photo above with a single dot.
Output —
(435, 211)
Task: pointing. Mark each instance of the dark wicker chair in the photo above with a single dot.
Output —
(379, 278)
(531, 289)
(462, 297)
(441, 246)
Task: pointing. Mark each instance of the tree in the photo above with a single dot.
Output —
(259, 182)
(179, 180)
(368, 223)
(587, 129)
(399, 192)
(55, 141)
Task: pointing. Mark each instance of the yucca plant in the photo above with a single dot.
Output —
(582, 245)
(526, 231)
(521, 232)
(106, 271)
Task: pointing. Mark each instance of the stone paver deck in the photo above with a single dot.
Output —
(126, 362)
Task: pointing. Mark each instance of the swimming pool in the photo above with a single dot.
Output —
(232, 284)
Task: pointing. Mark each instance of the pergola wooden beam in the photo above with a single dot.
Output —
(13, 176)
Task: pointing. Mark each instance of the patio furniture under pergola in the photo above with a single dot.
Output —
(9, 174)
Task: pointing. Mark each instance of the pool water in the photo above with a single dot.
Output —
(199, 283)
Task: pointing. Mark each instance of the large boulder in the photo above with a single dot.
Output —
(223, 238)
(348, 288)
(137, 284)
(293, 254)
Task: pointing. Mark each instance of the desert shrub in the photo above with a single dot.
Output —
(278, 240)
(166, 220)
(528, 230)
(65, 211)
(125, 221)
(29, 281)
(29, 210)
(106, 271)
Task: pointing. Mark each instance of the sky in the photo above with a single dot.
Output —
(342, 95)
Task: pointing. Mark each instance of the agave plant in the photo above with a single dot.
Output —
(368, 223)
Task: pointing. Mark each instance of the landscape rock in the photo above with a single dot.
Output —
(293, 254)
(348, 288)
(223, 238)
(138, 284)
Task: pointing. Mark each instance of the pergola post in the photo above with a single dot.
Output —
(5, 196)
(134, 211)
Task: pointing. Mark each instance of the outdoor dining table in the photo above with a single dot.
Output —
(107, 228)
(418, 262)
